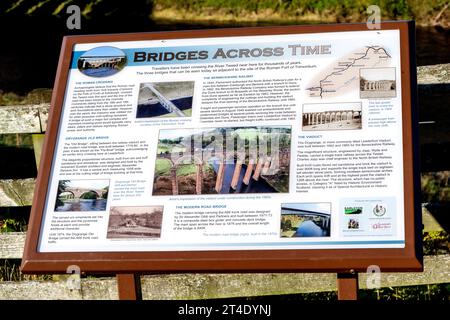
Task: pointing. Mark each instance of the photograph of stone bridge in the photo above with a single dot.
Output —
(135, 222)
(222, 161)
(102, 61)
(377, 83)
(82, 195)
(165, 99)
(332, 116)
(305, 220)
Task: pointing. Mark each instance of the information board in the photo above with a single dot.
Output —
(281, 148)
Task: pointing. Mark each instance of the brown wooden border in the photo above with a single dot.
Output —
(311, 260)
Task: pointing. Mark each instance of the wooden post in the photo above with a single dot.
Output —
(199, 179)
(38, 141)
(173, 172)
(220, 174)
(248, 172)
(258, 170)
(236, 174)
(347, 284)
(129, 286)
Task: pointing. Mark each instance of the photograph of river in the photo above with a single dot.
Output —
(102, 61)
(305, 220)
(82, 195)
(223, 161)
(165, 99)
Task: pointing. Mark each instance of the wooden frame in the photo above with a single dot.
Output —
(408, 258)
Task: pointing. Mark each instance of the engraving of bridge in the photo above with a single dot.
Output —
(166, 103)
(256, 166)
(312, 118)
(78, 192)
(325, 217)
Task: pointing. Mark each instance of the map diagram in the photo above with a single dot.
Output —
(344, 75)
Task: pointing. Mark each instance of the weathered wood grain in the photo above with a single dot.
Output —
(16, 192)
(24, 119)
(209, 286)
(11, 245)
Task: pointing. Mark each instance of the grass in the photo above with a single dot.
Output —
(162, 167)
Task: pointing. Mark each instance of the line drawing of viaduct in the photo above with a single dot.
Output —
(256, 166)
(76, 193)
(166, 103)
(379, 85)
(312, 118)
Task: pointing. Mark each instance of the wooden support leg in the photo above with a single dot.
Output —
(129, 286)
(236, 175)
(199, 179)
(347, 284)
(248, 172)
(220, 174)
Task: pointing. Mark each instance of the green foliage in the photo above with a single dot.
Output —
(89, 195)
(20, 140)
(36, 96)
(436, 186)
(162, 167)
(9, 271)
(436, 242)
(105, 193)
(12, 225)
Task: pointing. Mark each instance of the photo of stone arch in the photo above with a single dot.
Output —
(305, 220)
(332, 116)
(82, 195)
(377, 83)
(135, 222)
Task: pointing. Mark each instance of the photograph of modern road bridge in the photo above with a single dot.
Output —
(223, 160)
(332, 116)
(102, 61)
(165, 99)
(305, 219)
(377, 83)
(82, 195)
(135, 222)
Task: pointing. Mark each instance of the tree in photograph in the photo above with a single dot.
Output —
(62, 185)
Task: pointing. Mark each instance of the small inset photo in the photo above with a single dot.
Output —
(377, 83)
(305, 219)
(353, 224)
(165, 99)
(82, 195)
(135, 222)
(102, 61)
(331, 116)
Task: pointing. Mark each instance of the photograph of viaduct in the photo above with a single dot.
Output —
(332, 116)
(377, 83)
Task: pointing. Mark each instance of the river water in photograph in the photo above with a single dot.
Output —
(156, 109)
(83, 205)
(260, 186)
(100, 72)
(310, 229)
